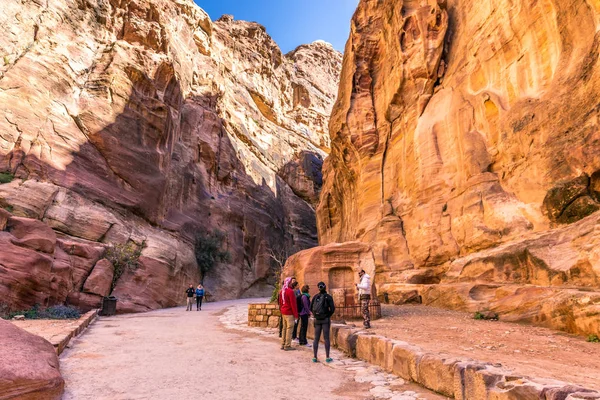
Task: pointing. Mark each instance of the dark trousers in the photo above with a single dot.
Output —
(303, 329)
(198, 302)
(295, 331)
(322, 327)
(280, 326)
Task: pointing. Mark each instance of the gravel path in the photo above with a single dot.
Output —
(174, 354)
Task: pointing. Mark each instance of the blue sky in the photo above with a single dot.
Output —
(291, 22)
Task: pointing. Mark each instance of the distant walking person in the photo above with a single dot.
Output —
(322, 308)
(190, 297)
(304, 313)
(289, 314)
(199, 296)
(364, 295)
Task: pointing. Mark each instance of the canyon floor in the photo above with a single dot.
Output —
(176, 354)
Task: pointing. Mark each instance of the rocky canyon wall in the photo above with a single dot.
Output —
(465, 159)
(143, 123)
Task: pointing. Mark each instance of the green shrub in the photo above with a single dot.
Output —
(486, 315)
(6, 177)
(208, 251)
(123, 257)
(62, 312)
(54, 312)
(593, 339)
(8, 208)
(275, 293)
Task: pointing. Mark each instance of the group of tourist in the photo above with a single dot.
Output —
(198, 293)
(296, 307)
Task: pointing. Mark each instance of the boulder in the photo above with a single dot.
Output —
(28, 366)
(100, 280)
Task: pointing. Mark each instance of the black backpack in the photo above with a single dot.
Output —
(320, 306)
(299, 304)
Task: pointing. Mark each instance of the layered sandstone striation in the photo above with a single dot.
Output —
(465, 159)
(143, 123)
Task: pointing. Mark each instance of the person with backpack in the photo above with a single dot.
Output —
(322, 308)
(289, 314)
(199, 296)
(304, 312)
(364, 295)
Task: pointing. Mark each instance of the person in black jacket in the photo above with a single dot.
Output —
(322, 308)
(190, 297)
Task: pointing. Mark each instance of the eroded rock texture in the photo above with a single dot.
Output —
(466, 154)
(144, 122)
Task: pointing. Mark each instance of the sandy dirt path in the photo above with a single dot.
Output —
(174, 354)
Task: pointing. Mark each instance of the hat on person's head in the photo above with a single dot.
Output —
(321, 285)
(362, 271)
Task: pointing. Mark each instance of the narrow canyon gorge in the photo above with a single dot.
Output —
(453, 154)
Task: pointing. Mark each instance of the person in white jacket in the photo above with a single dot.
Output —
(364, 294)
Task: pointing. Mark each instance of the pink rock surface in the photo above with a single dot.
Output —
(28, 366)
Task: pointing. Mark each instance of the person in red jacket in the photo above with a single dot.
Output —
(289, 313)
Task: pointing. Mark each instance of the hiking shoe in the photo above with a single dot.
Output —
(282, 348)
(315, 360)
(289, 348)
(307, 345)
(328, 360)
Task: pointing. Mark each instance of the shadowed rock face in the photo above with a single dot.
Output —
(466, 150)
(143, 122)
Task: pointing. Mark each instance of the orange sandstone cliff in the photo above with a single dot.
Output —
(465, 159)
(144, 122)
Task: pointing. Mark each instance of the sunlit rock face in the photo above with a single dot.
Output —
(145, 122)
(466, 154)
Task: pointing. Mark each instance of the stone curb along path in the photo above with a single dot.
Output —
(462, 379)
(84, 322)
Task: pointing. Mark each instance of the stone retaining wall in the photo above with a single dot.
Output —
(263, 315)
(83, 323)
(461, 379)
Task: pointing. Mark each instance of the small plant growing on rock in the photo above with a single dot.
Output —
(124, 256)
(486, 315)
(6, 177)
(208, 251)
(6, 60)
(593, 339)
